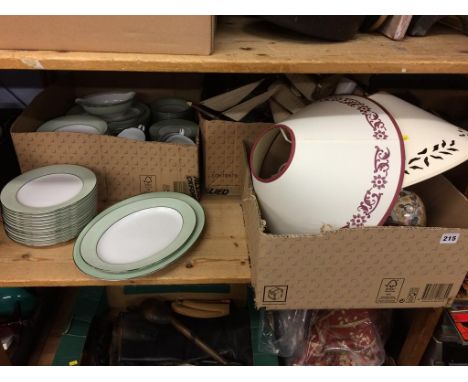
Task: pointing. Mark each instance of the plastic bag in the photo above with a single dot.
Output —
(284, 332)
(346, 337)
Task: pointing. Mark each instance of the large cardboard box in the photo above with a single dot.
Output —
(133, 34)
(375, 267)
(223, 151)
(123, 167)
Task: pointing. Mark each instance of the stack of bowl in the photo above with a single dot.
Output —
(49, 205)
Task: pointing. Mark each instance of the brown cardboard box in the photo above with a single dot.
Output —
(133, 34)
(124, 168)
(378, 267)
(223, 151)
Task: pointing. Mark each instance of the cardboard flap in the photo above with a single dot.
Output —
(445, 205)
(223, 152)
(45, 106)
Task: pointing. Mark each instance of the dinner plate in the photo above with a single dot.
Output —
(77, 209)
(48, 189)
(63, 224)
(116, 276)
(138, 234)
(57, 238)
(76, 123)
(41, 242)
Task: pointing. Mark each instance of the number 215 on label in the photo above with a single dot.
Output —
(449, 238)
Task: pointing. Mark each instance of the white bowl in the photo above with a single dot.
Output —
(113, 104)
(432, 145)
(343, 167)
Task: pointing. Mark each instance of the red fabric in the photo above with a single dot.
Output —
(344, 337)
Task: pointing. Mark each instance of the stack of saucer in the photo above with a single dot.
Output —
(139, 235)
(165, 130)
(49, 205)
(138, 114)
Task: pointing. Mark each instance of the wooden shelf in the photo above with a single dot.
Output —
(249, 45)
(219, 257)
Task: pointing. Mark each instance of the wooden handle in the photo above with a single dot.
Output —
(203, 346)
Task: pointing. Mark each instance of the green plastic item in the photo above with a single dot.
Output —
(89, 302)
(11, 298)
(259, 358)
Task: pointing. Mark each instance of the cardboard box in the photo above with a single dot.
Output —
(375, 267)
(223, 151)
(123, 167)
(132, 34)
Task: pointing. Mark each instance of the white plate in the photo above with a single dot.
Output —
(49, 190)
(76, 123)
(138, 234)
(105, 275)
(53, 193)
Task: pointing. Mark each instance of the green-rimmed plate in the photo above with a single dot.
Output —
(75, 123)
(115, 276)
(166, 215)
(34, 230)
(78, 208)
(49, 205)
(9, 196)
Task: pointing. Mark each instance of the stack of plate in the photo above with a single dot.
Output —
(139, 235)
(138, 114)
(49, 205)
